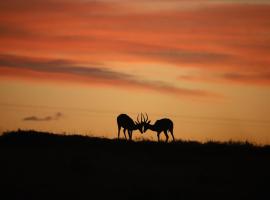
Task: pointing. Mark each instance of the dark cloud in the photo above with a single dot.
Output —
(12, 31)
(249, 78)
(262, 79)
(186, 56)
(246, 77)
(34, 6)
(97, 73)
(60, 66)
(56, 116)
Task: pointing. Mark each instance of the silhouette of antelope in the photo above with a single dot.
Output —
(128, 124)
(162, 125)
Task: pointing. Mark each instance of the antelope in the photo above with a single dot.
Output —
(162, 125)
(128, 124)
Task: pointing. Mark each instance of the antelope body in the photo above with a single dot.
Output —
(162, 125)
(128, 124)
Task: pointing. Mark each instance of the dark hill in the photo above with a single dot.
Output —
(37, 165)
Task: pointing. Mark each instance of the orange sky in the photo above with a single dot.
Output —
(72, 66)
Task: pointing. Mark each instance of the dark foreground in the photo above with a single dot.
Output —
(45, 166)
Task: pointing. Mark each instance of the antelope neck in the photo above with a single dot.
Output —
(152, 127)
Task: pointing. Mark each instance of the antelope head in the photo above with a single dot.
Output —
(145, 122)
(139, 124)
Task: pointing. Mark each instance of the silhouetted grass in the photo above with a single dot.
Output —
(36, 165)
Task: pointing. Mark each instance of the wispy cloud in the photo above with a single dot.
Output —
(56, 116)
(59, 66)
(208, 35)
(249, 78)
(69, 71)
(254, 78)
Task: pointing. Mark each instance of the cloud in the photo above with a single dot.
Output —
(251, 78)
(254, 78)
(11, 31)
(208, 35)
(56, 116)
(59, 66)
(69, 71)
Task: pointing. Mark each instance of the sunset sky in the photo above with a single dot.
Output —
(74, 65)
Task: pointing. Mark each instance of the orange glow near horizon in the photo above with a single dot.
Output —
(204, 64)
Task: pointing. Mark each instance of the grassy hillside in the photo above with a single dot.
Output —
(37, 165)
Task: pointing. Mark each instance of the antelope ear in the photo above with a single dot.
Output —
(149, 122)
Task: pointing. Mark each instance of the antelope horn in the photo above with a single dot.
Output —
(138, 118)
(146, 117)
(141, 117)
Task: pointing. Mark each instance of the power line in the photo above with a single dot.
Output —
(117, 112)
